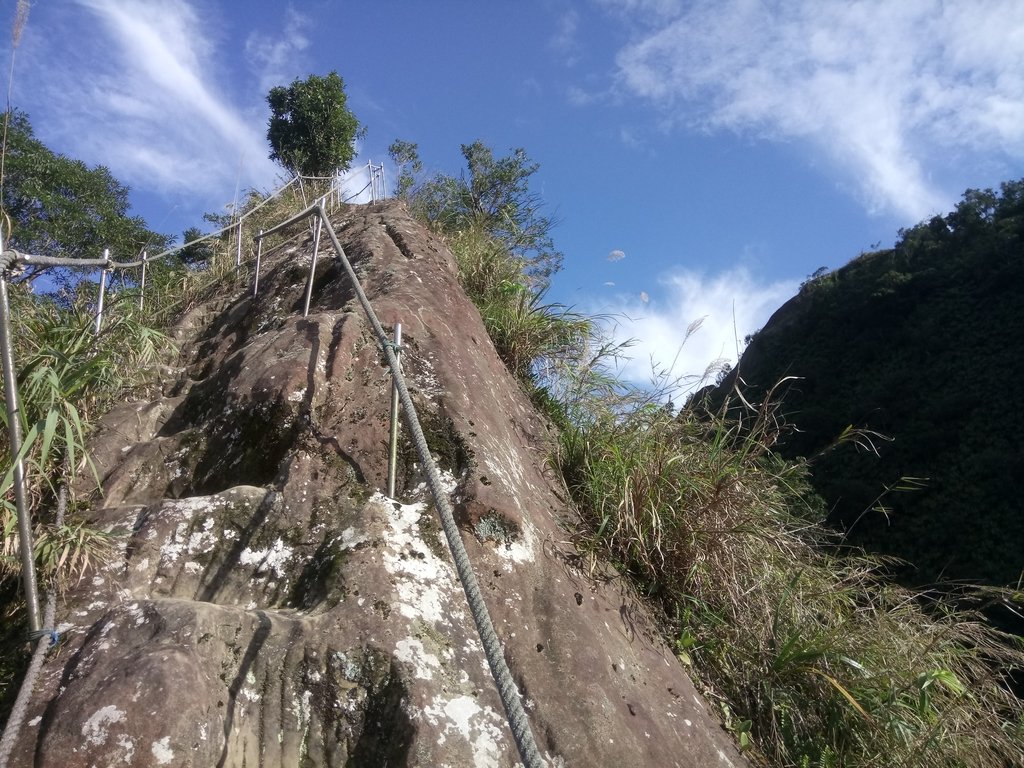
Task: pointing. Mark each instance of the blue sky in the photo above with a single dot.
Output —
(724, 149)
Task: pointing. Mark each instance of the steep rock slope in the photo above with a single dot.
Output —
(270, 607)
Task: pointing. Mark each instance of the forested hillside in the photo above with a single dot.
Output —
(923, 344)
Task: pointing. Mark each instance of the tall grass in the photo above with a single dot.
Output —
(67, 378)
(535, 339)
(816, 659)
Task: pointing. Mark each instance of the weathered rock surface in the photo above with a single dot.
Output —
(269, 607)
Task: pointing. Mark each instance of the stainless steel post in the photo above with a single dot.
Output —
(103, 292)
(259, 254)
(28, 563)
(393, 441)
(142, 286)
(317, 224)
(238, 249)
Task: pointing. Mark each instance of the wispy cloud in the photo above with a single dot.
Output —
(565, 41)
(138, 92)
(892, 93)
(693, 322)
(278, 59)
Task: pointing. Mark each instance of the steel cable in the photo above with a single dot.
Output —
(507, 688)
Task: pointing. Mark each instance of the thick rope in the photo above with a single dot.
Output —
(507, 689)
(510, 697)
(14, 722)
(47, 638)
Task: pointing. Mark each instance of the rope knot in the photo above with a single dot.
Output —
(39, 634)
(7, 261)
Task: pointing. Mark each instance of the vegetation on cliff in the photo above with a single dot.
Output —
(815, 657)
(312, 131)
(920, 343)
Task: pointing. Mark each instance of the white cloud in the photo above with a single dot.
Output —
(890, 92)
(647, 8)
(616, 255)
(565, 41)
(724, 307)
(138, 91)
(278, 59)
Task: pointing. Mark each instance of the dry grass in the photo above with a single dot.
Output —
(817, 659)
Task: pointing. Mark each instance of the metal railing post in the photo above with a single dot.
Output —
(393, 439)
(28, 563)
(103, 291)
(142, 285)
(259, 254)
(317, 224)
(238, 249)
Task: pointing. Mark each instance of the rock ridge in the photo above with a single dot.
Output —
(269, 606)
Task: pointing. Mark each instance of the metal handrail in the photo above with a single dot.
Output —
(507, 689)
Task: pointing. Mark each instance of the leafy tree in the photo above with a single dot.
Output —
(494, 198)
(406, 156)
(61, 207)
(195, 254)
(312, 132)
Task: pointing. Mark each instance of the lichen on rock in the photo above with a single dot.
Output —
(269, 606)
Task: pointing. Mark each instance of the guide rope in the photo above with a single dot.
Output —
(506, 686)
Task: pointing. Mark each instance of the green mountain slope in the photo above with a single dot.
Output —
(925, 344)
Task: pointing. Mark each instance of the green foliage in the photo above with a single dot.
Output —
(539, 342)
(494, 199)
(312, 132)
(920, 343)
(67, 378)
(502, 244)
(406, 158)
(196, 251)
(817, 658)
(531, 337)
(61, 207)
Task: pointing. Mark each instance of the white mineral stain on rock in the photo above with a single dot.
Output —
(161, 750)
(426, 586)
(424, 664)
(521, 549)
(274, 558)
(128, 748)
(481, 728)
(94, 730)
(351, 538)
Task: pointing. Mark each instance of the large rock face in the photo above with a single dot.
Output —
(270, 607)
